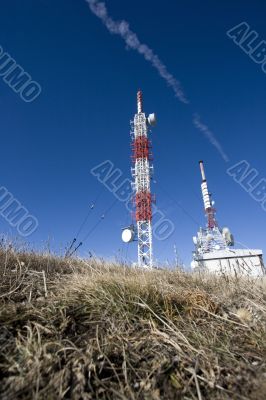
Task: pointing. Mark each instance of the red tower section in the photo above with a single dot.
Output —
(141, 157)
(210, 212)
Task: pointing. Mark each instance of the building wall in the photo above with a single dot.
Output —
(252, 266)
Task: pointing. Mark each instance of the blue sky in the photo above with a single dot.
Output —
(89, 81)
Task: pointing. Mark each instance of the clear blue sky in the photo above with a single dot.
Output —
(89, 82)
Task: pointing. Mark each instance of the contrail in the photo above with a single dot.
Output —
(122, 29)
(209, 135)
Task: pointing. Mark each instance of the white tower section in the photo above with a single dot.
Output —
(212, 238)
(141, 173)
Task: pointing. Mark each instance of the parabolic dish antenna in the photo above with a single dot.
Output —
(127, 235)
(152, 119)
(194, 264)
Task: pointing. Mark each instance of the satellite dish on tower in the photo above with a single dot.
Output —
(152, 119)
(194, 264)
(229, 238)
(209, 237)
(128, 235)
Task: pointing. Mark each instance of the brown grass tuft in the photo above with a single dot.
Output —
(244, 315)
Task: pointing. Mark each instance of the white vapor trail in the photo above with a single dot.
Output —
(122, 29)
(209, 135)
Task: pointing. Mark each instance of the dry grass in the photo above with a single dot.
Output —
(91, 330)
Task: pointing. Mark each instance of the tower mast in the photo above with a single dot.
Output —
(208, 205)
(141, 174)
(211, 238)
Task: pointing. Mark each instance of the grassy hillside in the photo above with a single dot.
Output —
(91, 330)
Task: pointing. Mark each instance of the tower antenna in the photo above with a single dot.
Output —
(141, 174)
(212, 253)
(208, 203)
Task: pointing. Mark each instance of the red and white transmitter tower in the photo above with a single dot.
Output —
(141, 185)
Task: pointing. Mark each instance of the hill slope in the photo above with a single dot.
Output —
(90, 330)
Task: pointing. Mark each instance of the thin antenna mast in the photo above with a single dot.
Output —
(208, 205)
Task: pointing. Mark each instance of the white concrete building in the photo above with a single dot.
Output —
(233, 262)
